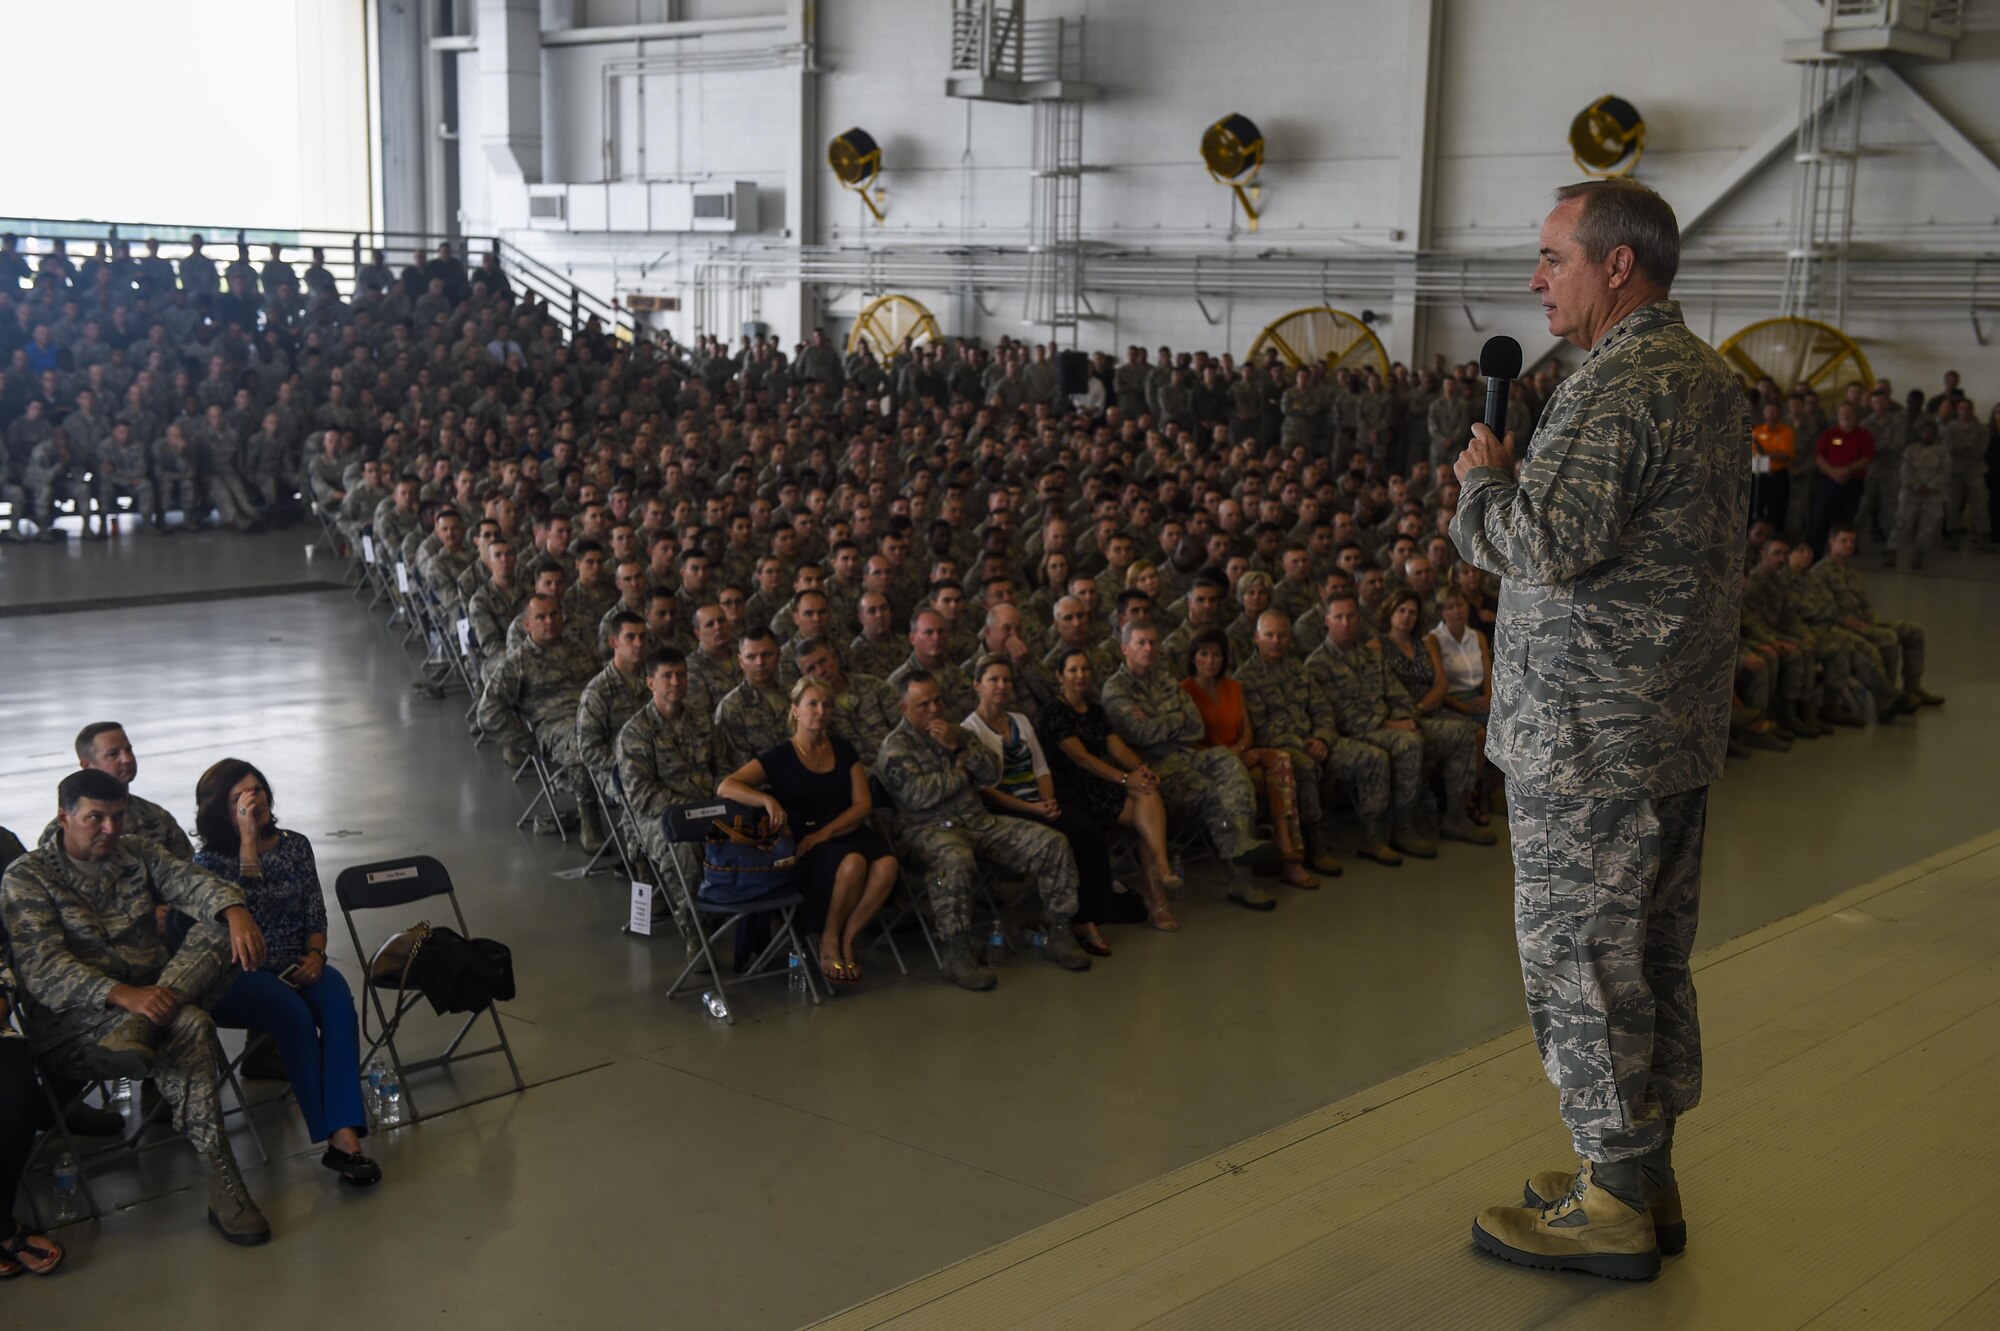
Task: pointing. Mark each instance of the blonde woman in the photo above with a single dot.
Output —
(815, 785)
(1144, 576)
(1253, 590)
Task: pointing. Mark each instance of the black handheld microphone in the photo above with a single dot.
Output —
(1500, 362)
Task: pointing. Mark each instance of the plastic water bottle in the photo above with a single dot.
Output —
(1038, 940)
(716, 1007)
(392, 1099)
(372, 1077)
(69, 1189)
(121, 1090)
(796, 973)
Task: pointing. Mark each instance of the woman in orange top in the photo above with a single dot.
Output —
(1219, 699)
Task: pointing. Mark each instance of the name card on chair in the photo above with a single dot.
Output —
(393, 875)
(465, 637)
(402, 577)
(367, 548)
(641, 922)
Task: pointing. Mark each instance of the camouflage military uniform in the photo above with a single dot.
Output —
(942, 825)
(864, 713)
(954, 688)
(78, 932)
(1621, 548)
(1884, 477)
(126, 469)
(663, 763)
(491, 611)
(749, 720)
(1924, 482)
(1768, 600)
(1450, 425)
(1104, 659)
(609, 701)
(149, 822)
(709, 678)
(1278, 700)
(1965, 497)
(1157, 718)
(866, 656)
(1894, 638)
(1362, 694)
(531, 695)
(1850, 658)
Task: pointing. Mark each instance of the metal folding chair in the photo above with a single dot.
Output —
(386, 885)
(690, 823)
(545, 789)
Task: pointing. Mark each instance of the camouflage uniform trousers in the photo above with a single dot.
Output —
(950, 851)
(665, 855)
(1213, 786)
(141, 490)
(1606, 894)
(565, 759)
(1862, 660)
(1896, 641)
(235, 499)
(1919, 523)
(52, 489)
(189, 1067)
(1452, 751)
(177, 490)
(1364, 770)
(1754, 687)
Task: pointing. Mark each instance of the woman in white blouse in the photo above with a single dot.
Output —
(1466, 656)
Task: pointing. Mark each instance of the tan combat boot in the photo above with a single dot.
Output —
(1663, 1203)
(1588, 1229)
(1375, 844)
(590, 820)
(126, 1050)
(230, 1209)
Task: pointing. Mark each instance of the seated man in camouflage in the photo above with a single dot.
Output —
(1892, 637)
(103, 996)
(865, 707)
(531, 696)
(755, 714)
(1278, 696)
(1369, 703)
(613, 696)
(934, 774)
(102, 746)
(1155, 716)
(666, 756)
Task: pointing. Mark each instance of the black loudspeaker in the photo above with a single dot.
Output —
(1073, 372)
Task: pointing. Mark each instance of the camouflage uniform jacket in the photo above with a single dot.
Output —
(1843, 583)
(1769, 598)
(867, 656)
(1154, 715)
(953, 686)
(443, 568)
(534, 686)
(76, 937)
(929, 784)
(1926, 467)
(608, 702)
(709, 678)
(749, 720)
(1278, 698)
(864, 714)
(1357, 689)
(662, 763)
(491, 610)
(1813, 597)
(149, 822)
(1615, 648)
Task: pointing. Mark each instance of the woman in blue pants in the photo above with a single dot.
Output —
(296, 997)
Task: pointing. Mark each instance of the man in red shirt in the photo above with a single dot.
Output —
(1843, 452)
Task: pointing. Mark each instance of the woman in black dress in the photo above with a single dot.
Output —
(1096, 773)
(816, 785)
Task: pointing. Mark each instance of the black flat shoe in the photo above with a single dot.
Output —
(356, 1168)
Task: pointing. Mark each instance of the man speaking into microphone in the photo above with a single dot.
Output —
(1620, 546)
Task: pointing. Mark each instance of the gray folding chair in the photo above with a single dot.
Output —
(386, 885)
(691, 824)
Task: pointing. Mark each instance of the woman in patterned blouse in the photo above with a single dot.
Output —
(296, 997)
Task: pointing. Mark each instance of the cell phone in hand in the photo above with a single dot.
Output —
(290, 975)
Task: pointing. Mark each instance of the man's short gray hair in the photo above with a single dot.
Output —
(1621, 211)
